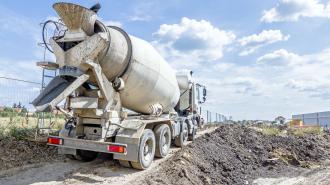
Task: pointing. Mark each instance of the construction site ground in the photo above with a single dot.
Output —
(230, 154)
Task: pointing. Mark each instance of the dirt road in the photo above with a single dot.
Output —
(316, 176)
(100, 171)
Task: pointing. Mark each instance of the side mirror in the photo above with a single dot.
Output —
(204, 92)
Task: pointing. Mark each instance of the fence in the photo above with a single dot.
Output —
(214, 117)
(14, 92)
(16, 110)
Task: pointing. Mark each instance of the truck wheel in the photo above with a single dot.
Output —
(192, 136)
(86, 155)
(163, 140)
(146, 150)
(182, 139)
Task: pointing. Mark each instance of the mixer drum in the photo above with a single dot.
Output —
(149, 80)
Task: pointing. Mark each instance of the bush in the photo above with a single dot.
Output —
(18, 133)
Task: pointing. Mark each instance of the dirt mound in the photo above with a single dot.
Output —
(237, 154)
(15, 153)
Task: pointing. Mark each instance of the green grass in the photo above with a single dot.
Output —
(21, 127)
(18, 133)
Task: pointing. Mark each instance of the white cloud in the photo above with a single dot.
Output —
(113, 23)
(222, 67)
(279, 57)
(256, 41)
(140, 17)
(20, 30)
(143, 11)
(192, 41)
(279, 83)
(293, 10)
(16, 24)
(23, 69)
(110, 22)
(305, 73)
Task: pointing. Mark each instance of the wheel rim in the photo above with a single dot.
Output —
(147, 150)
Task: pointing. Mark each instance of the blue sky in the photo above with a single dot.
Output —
(259, 59)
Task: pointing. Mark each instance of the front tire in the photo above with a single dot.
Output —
(146, 150)
(163, 140)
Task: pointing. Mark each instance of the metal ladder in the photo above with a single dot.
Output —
(48, 72)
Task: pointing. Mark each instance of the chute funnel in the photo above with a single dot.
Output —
(76, 17)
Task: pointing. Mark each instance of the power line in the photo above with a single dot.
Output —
(15, 79)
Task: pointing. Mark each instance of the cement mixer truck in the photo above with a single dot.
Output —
(120, 96)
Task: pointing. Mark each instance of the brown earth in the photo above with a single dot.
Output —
(232, 154)
(16, 153)
(237, 155)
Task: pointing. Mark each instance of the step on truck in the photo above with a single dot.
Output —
(120, 96)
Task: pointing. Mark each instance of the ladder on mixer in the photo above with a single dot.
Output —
(49, 71)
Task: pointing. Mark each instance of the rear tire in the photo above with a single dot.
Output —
(146, 150)
(163, 140)
(85, 155)
(182, 139)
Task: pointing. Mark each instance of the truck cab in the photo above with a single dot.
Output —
(192, 96)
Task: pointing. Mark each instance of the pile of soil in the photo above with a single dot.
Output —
(235, 154)
(16, 153)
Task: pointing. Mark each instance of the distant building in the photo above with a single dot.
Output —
(280, 120)
(321, 119)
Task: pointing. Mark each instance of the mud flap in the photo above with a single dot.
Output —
(56, 91)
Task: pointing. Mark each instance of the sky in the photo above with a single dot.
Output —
(258, 59)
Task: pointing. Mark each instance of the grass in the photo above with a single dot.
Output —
(21, 127)
(14, 132)
(271, 131)
(306, 130)
(300, 131)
